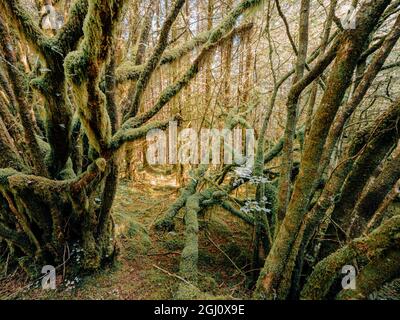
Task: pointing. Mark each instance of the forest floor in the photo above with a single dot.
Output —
(147, 266)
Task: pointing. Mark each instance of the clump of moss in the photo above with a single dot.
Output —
(138, 239)
(173, 243)
(217, 226)
(5, 174)
(208, 284)
(187, 292)
(393, 210)
(68, 172)
(75, 65)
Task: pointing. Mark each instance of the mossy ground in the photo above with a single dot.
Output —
(148, 260)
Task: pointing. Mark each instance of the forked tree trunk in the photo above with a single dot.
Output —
(275, 279)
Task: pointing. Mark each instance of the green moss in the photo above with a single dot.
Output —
(188, 292)
(128, 71)
(373, 276)
(138, 239)
(75, 65)
(208, 284)
(70, 34)
(68, 172)
(173, 244)
(371, 246)
(217, 226)
(5, 174)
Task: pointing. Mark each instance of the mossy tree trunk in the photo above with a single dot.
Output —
(275, 279)
(53, 202)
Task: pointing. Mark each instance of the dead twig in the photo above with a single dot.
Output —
(174, 275)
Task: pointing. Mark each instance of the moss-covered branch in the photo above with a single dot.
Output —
(9, 157)
(237, 213)
(131, 71)
(190, 254)
(364, 84)
(292, 110)
(23, 108)
(131, 134)
(25, 23)
(371, 247)
(13, 126)
(41, 208)
(319, 212)
(70, 34)
(154, 60)
(374, 276)
(385, 135)
(175, 88)
(167, 221)
(17, 238)
(374, 196)
(84, 68)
